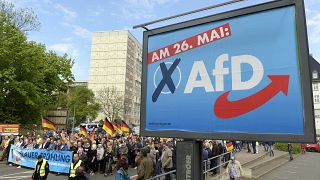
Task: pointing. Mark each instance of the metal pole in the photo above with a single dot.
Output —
(74, 117)
(187, 13)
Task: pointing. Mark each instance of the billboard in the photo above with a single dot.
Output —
(239, 75)
(8, 129)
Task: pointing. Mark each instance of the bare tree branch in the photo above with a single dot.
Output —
(25, 19)
(111, 102)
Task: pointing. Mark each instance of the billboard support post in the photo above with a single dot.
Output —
(189, 156)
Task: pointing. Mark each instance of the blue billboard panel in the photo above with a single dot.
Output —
(236, 75)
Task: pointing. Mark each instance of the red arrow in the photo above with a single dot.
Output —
(223, 108)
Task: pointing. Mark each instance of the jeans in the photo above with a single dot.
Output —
(168, 176)
(291, 157)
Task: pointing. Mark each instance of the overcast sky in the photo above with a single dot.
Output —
(67, 25)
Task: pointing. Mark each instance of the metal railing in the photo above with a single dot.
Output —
(164, 174)
(207, 162)
(206, 170)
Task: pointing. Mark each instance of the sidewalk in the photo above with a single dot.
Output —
(251, 162)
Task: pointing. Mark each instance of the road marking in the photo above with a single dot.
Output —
(16, 177)
(17, 173)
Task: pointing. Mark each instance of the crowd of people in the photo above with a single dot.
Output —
(114, 155)
(103, 154)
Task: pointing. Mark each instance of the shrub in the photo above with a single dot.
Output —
(284, 147)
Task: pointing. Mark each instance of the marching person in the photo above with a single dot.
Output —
(41, 169)
(234, 169)
(290, 149)
(74, 165)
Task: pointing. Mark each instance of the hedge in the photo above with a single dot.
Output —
(284, 147)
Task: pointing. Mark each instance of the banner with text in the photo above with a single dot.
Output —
(59, 161)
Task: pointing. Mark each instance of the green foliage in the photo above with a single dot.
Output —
(30, 76)
(82, 99)
(284, 147)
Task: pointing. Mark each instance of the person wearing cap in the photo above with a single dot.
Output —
(41, 169)
(74, 165)
(234, 169)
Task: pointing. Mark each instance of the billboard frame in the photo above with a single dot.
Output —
(304, 70)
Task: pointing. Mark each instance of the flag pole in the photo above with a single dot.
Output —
(74, 117)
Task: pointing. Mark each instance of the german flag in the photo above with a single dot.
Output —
(46, 123)
(83, 131)
(229, 146)
(124, 127)
(117, 126)
(92, 134)
(107, 126)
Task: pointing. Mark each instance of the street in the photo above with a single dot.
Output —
(303, 167)
(12, 173)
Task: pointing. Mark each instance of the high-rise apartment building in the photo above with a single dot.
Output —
(116, 61)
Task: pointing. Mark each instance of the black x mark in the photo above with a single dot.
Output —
(166, 79)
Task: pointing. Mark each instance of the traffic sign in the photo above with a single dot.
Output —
(241, 75)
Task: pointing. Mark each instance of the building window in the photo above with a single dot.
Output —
(317, 113)
(315, 87)
(316, 98)
(314, 75)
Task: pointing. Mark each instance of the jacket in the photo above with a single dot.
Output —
(145, 169)
(238, 168)
(122, 175)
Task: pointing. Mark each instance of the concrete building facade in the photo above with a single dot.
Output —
(116, 61)
(315, 73)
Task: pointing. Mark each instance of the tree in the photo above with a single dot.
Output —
(82, 99)
(111, 102)
(22, 18)
(30, 76)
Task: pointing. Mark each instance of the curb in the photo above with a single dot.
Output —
(276, 166)
(218, 177)
(254, 160)
(268, 161)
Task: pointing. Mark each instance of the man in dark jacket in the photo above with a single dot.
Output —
(41, 169)
(215, 161)
(290, 149)
(47, 143)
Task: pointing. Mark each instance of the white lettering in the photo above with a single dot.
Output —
(221, 32)
(188, 167)
(220, 71)
(203, 40)
(164, 53)
(155, 57)
(257, 74)
(205, 82)
(214, 35)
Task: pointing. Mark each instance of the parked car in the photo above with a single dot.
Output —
(312, 147)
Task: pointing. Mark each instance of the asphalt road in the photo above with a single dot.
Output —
(13, 173)
(304, 167)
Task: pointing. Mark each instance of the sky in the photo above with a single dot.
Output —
(67, 25)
